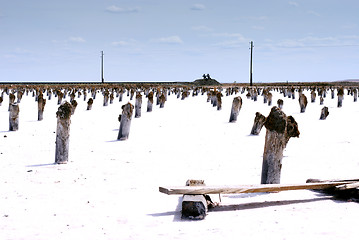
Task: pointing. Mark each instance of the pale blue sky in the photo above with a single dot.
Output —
(179, 40)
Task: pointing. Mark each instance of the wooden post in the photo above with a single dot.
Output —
(258, 123)
(1, 100)
(150, 102)
(303, 102)
(162, 100)
(321, 99)
(236, 107)
(63, 133)
(355, 94)
(11, 100)
(340, 97)
(74, 106)
(280, 129)
(40, 107)
(89, 104)
(138, 105)
(280, 103)
(14, 117)
(324, 113)
(105, 98)
(219, 100)
(313, 96)
(60, 95)
(194, 207)
(125, 120)
(269, 97)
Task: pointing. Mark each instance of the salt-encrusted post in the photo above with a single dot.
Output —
(14, 117)
(219, 100)
(313, 95)
(105, 98)
(324, 113)
(236, 107)
(138, 105)
(355, 94)
(340, 97)
(280, 103)
(321, 100)
(1, 100)
(303, 102)
(269, 97)
(150, 102)
(162, 100)
(63, 115)
(74, 106)
(280, 129)
(258, 123)
(11, 100)
(125, 120)
(89, 104)
(40, 107)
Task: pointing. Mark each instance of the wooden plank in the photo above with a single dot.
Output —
(348, 186)
(246, 188)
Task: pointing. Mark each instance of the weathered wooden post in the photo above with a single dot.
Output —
(340, 97)
(162, 100)
(332, 93)
(111, 98)
(40, 107)
(280, 103)
(150, 102)
(63, 115)
(60, 95)
(194, 207)
(236, 107)
(219, 100)
(74, 106)
(313, 96)
(89, 104)
(14, 117)
(11, 100)
(355, 94)
(303, 102)
(138, 105)
(125, 120)
(105, 98)
(258, 123)
(1, 100)
(324, 113)
(269, 98)
(280, 129)
(321, 99)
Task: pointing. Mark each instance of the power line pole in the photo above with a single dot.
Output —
(251, 67)
(102, 79)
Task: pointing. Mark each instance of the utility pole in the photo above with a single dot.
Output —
(250, 67)
(102, 79)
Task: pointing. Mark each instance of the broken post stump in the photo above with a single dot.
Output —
(162, 100)
(40, 108)
(14, 117)
(125, 121)
(280, 103)
(280, 129)
(194, 207)
(340, 97)
(138, 105)
(150, 102)
(302, 102)
(236, 107)
(63, 115)
(258, 123)
(89, 104)
(324, 113)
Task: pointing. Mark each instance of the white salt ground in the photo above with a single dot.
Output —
(109, 188)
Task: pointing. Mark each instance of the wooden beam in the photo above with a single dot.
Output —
(193, 190)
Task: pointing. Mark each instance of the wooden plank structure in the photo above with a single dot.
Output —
(194, 190)
(196, 201)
